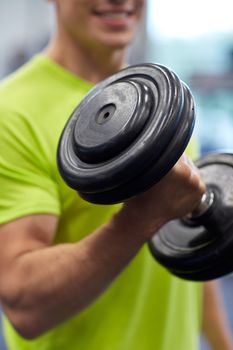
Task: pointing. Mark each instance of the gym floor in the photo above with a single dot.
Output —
(226, 284)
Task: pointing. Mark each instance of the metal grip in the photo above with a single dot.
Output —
(205, 204)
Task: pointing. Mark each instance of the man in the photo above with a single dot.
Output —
(75, 275)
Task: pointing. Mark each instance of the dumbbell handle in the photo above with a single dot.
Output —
(208, 213)
(206, 202)
(203, 207)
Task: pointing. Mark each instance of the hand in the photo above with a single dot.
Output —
(176, 195)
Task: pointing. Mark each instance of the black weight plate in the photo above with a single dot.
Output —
(104, 130)
(126, 134)
(202, 251)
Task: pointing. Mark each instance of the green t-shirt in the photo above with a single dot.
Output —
(146, 307)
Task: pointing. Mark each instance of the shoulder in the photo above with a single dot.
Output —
(20, 83)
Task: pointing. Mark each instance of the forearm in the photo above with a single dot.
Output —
(41, 286)
(52, 284)
(215, 326)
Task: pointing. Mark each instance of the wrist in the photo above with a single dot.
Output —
(132, 220)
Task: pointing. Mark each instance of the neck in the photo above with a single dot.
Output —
(92, 64)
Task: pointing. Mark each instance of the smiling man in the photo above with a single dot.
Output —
(92, 36)
(75, 275)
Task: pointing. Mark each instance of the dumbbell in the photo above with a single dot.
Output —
(125, 135)
(199, 247)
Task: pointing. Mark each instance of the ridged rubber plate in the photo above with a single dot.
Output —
(202, 252)
(126, 134)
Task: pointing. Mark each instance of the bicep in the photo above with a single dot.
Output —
(24, 235)
(20, 238)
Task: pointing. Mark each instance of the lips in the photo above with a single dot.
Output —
(117, 16)
(114, 15)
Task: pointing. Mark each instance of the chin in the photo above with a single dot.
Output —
(117, 42)
(117, 45)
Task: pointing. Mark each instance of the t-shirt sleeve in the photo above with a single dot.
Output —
(27, 184)
(193, 149)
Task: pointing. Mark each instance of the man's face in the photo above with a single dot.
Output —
(111, 23)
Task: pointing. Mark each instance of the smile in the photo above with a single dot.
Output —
(114, 14)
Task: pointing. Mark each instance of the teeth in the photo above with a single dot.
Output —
(115, 15)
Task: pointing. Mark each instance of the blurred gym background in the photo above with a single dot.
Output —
(195, 39)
